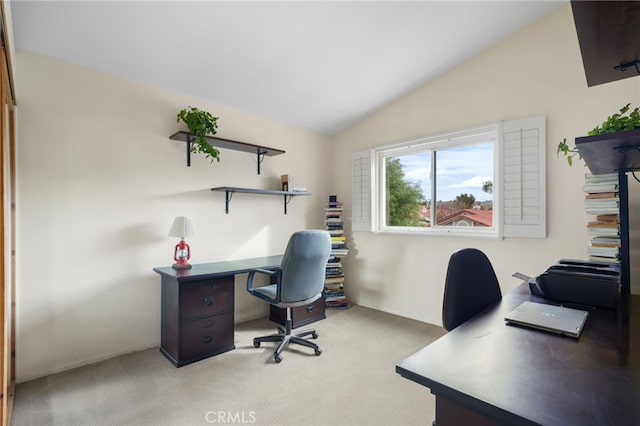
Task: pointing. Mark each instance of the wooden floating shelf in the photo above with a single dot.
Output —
(612, 152)
(217, 142)
(230, 190)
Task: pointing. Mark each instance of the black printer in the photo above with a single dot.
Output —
(579, 282)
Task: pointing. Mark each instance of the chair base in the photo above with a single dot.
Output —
(285, 337)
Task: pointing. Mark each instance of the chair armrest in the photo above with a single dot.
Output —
(270, 272)
(266, 271)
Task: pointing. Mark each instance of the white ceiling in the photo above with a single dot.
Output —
(315, 65)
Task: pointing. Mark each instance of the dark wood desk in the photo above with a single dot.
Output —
(487, 373)
(197, 308)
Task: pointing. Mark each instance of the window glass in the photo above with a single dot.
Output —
(406, 183)
(438, 185)
(464, 186)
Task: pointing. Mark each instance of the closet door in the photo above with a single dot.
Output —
(7, 243)
(8, 256)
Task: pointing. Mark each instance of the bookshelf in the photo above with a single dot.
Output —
(602, 200)
(334, 279)
(615, 153)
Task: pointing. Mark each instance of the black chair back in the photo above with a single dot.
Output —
(471, 287)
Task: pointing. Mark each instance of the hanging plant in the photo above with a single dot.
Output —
(201, 124)
(621, 121)
(567, 151)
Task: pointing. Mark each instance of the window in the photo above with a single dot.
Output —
(439, 184)
(487, 181)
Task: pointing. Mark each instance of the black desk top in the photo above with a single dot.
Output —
(200, 271)
(525, 376)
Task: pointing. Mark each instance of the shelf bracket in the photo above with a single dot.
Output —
(627, 148)
(228, 195)
(625, 66)
(287, 200)
(189, 145)
(260, 157)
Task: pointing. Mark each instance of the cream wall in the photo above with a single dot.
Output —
(536, 72)
(99, 183)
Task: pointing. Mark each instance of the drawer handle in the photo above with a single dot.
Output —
(207, 301)
(309, 308)
(207, 338)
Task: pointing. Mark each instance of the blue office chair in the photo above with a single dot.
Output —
(471, 287)
(298, 282)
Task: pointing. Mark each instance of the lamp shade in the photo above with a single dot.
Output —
(182, 227)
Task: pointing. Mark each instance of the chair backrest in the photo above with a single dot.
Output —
(304, 265)
(471, 286)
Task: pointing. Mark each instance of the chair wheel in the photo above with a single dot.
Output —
(256, 343)
(318, 351)
(278, 358)
(314, 335)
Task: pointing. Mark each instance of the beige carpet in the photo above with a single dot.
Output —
(353, 382)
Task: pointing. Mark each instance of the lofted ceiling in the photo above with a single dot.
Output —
(317, 65)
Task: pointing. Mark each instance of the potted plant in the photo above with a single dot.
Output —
(622, 121)
(201, 124)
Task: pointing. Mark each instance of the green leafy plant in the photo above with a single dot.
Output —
(568, 151)
(619, 122)
(622, 121)
(201, 124)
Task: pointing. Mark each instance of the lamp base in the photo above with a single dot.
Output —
(181, 266)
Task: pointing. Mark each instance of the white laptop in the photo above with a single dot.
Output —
(551, 318)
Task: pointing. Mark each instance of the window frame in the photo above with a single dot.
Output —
(522, 161)
(433, 144)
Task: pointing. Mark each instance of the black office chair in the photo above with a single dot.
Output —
(471, 286)
(298, 282)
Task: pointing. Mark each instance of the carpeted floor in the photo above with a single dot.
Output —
(353, 382)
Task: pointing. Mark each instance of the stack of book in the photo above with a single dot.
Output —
(334, 279)
(602, 200)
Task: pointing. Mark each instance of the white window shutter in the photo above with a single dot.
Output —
(523, 178)
(361, 191)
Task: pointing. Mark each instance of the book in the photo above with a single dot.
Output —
(604, 232)
(600, 187)
(608, 218)
(603, 259)
(602, 225)
(615, 242)
(599, 195)
(334, 278)
(607, 177)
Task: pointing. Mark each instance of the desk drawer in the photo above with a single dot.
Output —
(206, 297)
(207, 336)
(301, 315)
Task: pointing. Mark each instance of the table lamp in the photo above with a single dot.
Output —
(182, 228)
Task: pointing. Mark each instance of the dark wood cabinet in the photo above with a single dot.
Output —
(609, 37)
(197, 318)
(302, 315)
